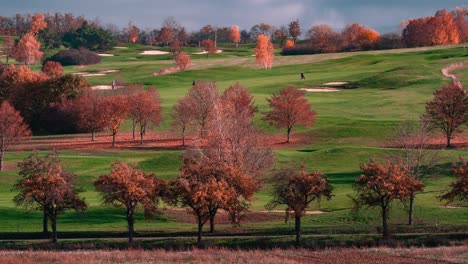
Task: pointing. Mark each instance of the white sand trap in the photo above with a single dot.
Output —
(105, 87)
(109, 71)
(93, 74)
(320, 90)
(335, 83)
(205, 52)
(105, 55)
(154, 52)
(120, 47)
(307, 212)
(101, 73)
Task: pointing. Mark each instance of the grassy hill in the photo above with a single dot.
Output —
(352, 126)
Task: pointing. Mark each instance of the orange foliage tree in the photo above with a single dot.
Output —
(297, 190)
(234, 35)
(128, 187)
(12, 128)
(294, 30)
(201, 187)
(145, 109)
(443, 29)
(165, 35)
(52, 69)
(355, 36)
(323, 38)
(133, 32)
(459, 188)
(182, 60)
(448, 111)
(8, 47)
(264, 52)
(28, 50)
(46, 186)
(208, 46)
(289, 108)
(288, 44)
(380, 185)
(91, 115)
(37, 23)
(115, 109)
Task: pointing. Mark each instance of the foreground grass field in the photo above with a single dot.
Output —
(352, 126)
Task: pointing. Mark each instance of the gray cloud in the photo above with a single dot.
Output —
(382, 15)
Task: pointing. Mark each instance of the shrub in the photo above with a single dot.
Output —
(75, 57)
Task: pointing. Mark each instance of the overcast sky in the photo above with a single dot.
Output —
(383, 15)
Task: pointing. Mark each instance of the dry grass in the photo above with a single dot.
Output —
(378, 255)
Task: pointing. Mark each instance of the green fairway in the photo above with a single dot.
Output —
(352, 126)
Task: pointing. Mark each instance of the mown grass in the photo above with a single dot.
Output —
(352, 126)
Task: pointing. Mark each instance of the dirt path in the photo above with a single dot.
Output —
(452, 67)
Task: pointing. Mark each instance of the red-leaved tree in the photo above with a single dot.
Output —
(52, 69)
(208, 46)
(115, 109)
(12, 128)
(297, 190)
(145, 109)
(289, 108)
(90, 112)
(379, 185)
(28, 50)
(459, 188)
(181, 116)
(448, 111)
(182, 60)
(128, 187)
(294, 30)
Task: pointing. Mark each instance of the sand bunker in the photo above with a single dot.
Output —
(105, 55)
(335, 83)
(106, 87)
(120, 47)
(154, 52)
(307, 212)
(321, 90)
(101, 73)
(205, 52)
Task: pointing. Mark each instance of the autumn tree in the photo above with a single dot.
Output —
(203, 189)
(165, 35)
(52, 69)
(174, 48)
(181, 116)
(234, 35)
(416, 33)
(294, 30)
(443, 29)
(380, 184)
(448, 111)
(264, 52)
(281, 35)
(323, 38)
(417, 155)
(289, 44)
(133, 32)
(115, 109)
(289, 108)
(459, 188)
(28, 50)
(297, 190)
(145, 109)
(128, 187)
(91, 115)
(459, 16)
(202, 98)
(208, 46)
(236, 100)
(131, 93)
(12, 128)
(355, 36)
(182, 60)
(37, 23)
(46, 186)
(8, 47)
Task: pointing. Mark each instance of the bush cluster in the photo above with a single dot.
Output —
(75, 57)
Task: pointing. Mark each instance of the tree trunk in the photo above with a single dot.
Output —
(7, 57)
(142, 133)
(2, 153)
(92, 135)
(131, 230)
(53, 223)
(133, 128)
(183, 137)
(289, 134)
(237, 44)
(45, 223)
(448, 140)
(113, 139)
(297, 228)
(200, 230)
(385, 232)
(411, 209)
(212, 223)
